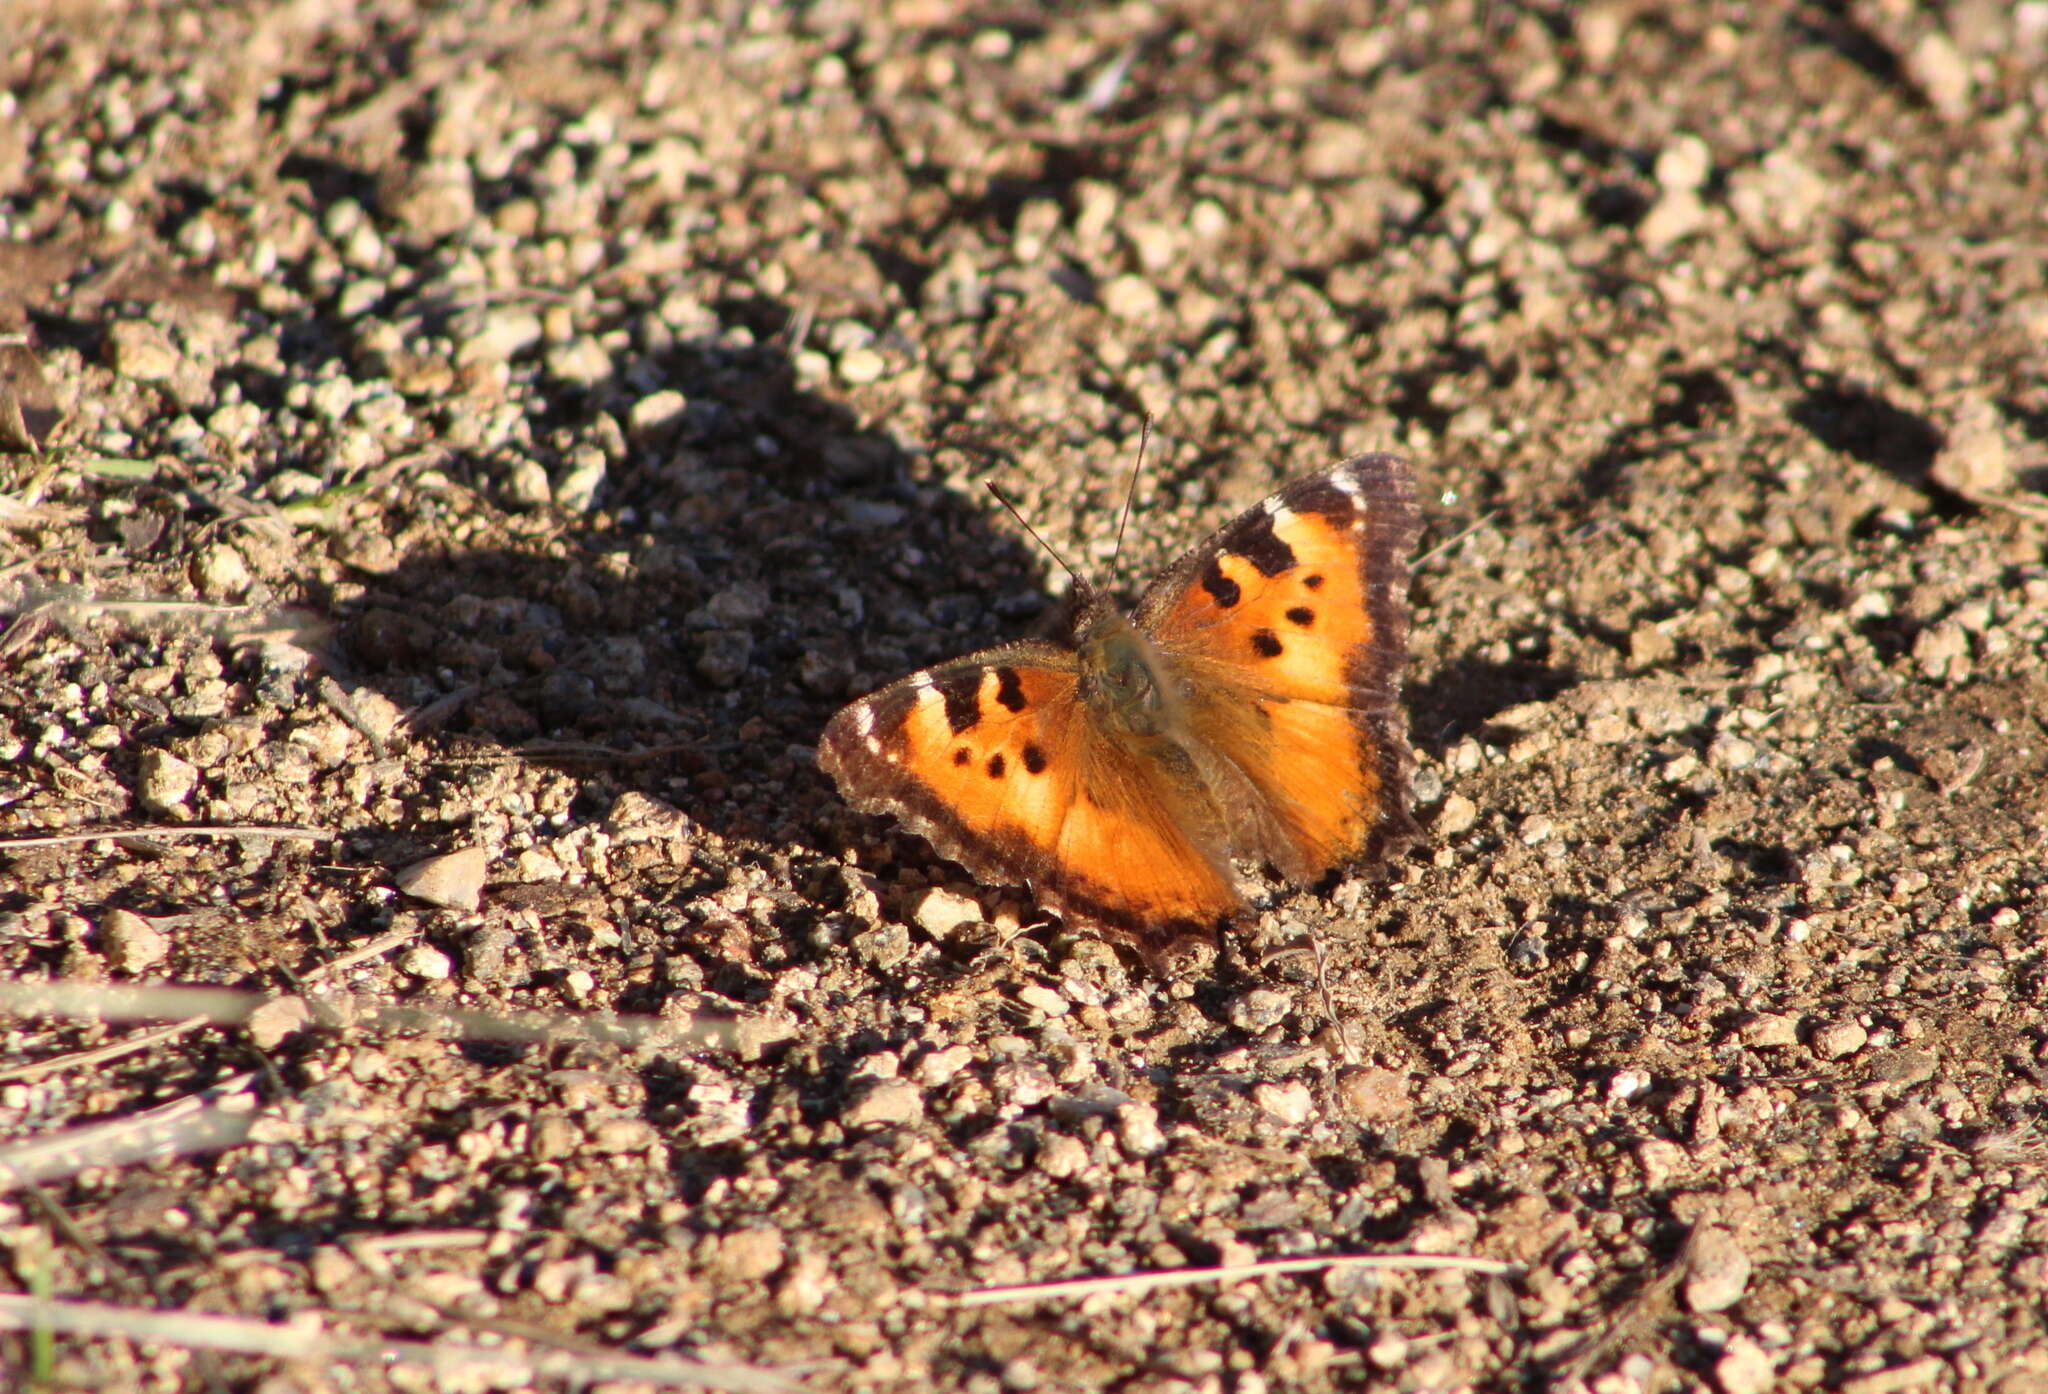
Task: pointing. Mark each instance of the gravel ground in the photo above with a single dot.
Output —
(486, 441)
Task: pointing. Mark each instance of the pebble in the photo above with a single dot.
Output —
(1768, 1030)
(939, 912)
(1292, 1102)
(1744, 1368)
(426, 961)
(499, 334)
(138, 350)
(885, 1103)
(1839, 1039)
(163, 781)
(130, 942)
(1717, 1269)
(1374, 1095)
(723, 656)
(1130, 297)
(577, 489)
(1939, 69)
(220, 572)
(453, 881)
(1137, 1130)
(860, 366)
(1457, 815)
(1260, 1009)
(271, 1023)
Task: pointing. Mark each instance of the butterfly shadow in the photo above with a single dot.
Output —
(646, 677)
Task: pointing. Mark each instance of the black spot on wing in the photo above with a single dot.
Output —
(1314, 583)
(1009, 689)
(961, 690)
(1302, 616)
(1034, 759)
(995, 765)
(1224, 591)
(1254, 540)
(961, 757)
(1266, 643)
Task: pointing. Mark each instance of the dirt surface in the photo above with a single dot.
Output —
(512, 430)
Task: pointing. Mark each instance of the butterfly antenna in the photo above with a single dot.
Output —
(1131, 491)
(1023, 522)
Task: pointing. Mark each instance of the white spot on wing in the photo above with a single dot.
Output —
(864, 721)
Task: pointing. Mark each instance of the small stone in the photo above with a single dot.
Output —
(1939, 69)
(1744, 1368)
(1768, 1031)
(1685, 163)
(130, 942)
(453, 881)
(577, 489)
(657, 414)
(1671, 219)
(1130, 298)
(1291, 1102)
(940, 912)
(582, 362)
(220, 573)
(1060, 1156)
(617, 1137)
(273, 1021)
(885, 1103)
(527, 484)
(1137, 1129)
(1716, 1269)
(1839, 1039)
(163, 782)
(1457, 815)
(749, 1255)
(426, 961)
(1977, 459)
(938, 1066)
(1372, 1095)
(1043, 1000)
(860, 366)
(637, 817)
(1943, 651)
(1537, 828)
(723, 656)
(499, 333)
(138, 350)
(1260, 1009)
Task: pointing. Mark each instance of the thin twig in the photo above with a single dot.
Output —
(100, 1055)
(169, 831)
(306, 1338)
(1138, 1283)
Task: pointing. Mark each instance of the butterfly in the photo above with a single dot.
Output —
(1247, 711)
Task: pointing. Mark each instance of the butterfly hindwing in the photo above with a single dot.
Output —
(1287, 630)
(993, 760)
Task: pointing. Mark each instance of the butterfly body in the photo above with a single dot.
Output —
(1246, 712)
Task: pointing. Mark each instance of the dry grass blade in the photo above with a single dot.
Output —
(1139, 1283)
(167, 832)
(306, 1337)
(230, 1007)
(203, 1122)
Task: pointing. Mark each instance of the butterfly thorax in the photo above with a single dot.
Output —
(1121, 678)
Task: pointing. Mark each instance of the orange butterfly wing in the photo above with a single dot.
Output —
(993, 759)
(1286, 632)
